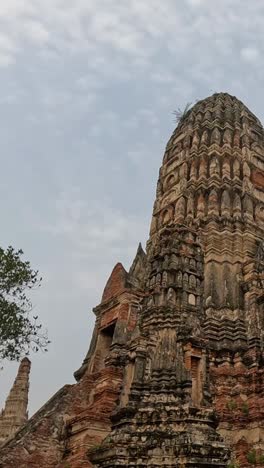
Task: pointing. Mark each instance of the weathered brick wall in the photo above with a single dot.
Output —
(238, 395)
(78, 416)
(40, 443)
(14, 415)
(61, 432)
(211, 182)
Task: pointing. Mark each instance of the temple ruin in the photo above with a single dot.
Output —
(14, 415)
(174, 375)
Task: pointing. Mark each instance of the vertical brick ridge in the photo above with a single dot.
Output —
(15, 414)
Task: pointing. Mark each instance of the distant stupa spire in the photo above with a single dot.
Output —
(15, 414)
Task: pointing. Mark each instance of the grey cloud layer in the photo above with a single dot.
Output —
(87, 90)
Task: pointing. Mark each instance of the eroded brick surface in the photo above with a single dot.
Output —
(14, 414)
(174, 375)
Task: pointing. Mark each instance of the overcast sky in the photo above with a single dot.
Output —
(87, 90)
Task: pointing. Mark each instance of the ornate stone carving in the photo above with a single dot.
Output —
(183, 171)
(237, 206)
(203, 168)
(236, 169)
(190, 206)
(247, 207)
(226, 169)
(214, 168)
(171, 296)
(216, 137)
(205, 137)
(200, 206)
(237, 139)
(14, 415)
(213, 204)
(180, 209)
(195, 141)
(180, 337)
(227, 137)
(260, 213)
(260, 252)
(207, 116)
(225, 204)
(246, 170)
(193, 170)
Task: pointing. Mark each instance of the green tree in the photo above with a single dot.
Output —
(20, 331)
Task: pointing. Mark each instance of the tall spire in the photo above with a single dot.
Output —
(174, 375)
(200, 326)
(14, 415)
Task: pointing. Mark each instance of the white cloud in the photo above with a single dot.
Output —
(85, 82)
(250, 54)
(6, 60)
(163, 77)
(196, 3)
(119, 37)
(100, 79)
(16, 8)
(8, 49)
(90, 227)
(37, 32)
(6, 43)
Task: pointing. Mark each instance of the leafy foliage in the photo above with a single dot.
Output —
(252, 457)
(19, 331)
(233, 465)
(245, 409)
(231, 405)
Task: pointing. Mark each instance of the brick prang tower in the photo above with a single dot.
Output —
(202, 322)
(174, 375)
(14, 414)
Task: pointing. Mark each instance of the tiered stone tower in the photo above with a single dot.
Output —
(167, 418)
(199, 314)
(174, 376)
(14, 415)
